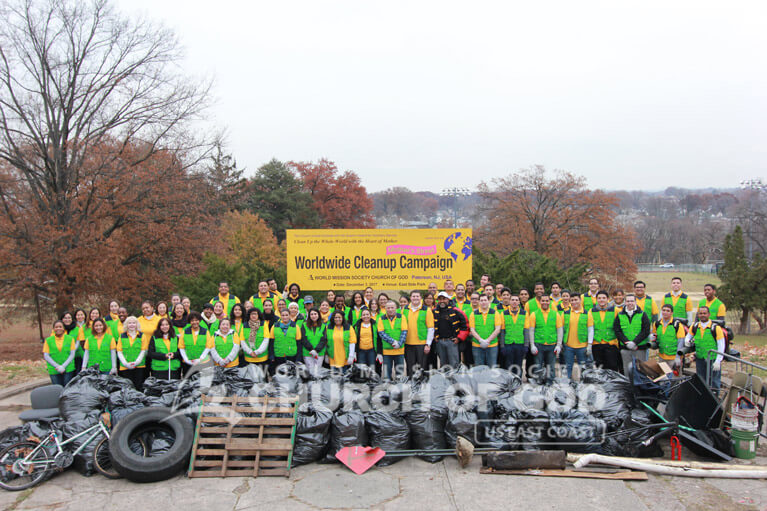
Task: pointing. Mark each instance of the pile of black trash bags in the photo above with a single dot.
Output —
(489, 407)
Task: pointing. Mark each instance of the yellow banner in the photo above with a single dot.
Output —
(346, 259)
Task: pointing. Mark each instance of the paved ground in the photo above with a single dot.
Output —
(410, 484)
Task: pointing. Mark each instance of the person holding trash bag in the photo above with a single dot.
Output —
(165, 359)
(254, 342)
(286, 336)
(194, 342)
(392, 331)
(546, 334)
(131, 350)
(224, 345)
(342, 342)
(314, 341)
(706, 335)
(368, 349)
(59, 353)
(667, 337)
(632, 328)
(100, 348)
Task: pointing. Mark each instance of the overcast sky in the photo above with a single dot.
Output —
(630, 94)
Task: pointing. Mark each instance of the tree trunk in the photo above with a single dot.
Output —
(744, 319)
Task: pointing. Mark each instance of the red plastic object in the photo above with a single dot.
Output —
(360, 459)
(676, 448)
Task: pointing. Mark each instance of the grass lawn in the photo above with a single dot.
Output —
(659, 282)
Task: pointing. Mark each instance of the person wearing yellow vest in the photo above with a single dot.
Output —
(263, 294)
(164, 357)
(314, 341)
(193, 343)
(485, 325)
(255, 340)
(392, 331)
(604, 349)
(632, 328)
(369, 349)
(342, 341)
(59, 353)
(131, 352)
(644, 302)
(668, 337)
(148, 320)
(579, 335)
(226, 298)
(679, 300)
(100, 348)
(287, 339)
(589, 298)
(224, 345)
(717, 310)
(705, 335)
(514, 332)
(420, 332)
(546, 333)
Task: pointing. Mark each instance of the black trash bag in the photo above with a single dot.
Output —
(628, 439)
(239, 380)
(462, 381)
(361, 373)
(347, 429)
(125, 401)
(488, 427)
(561, 396)
(357, 396)
(392, 396)
(462, 421)
(494, 382)
(427, 431)
(606, 395)
(84, 460)
(389, 431)
(320, 373)
(21, 433)
(528, 397)
(312, 433)
(288, 377)
(575, 431)
(531, 433)
(326, 392)
(87, 394)
(430, 392)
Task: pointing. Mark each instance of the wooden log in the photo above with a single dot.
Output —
(516, 460)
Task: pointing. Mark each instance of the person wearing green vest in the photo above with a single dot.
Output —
(100, 348)
(209, 319)
(392, 332)
(226, 298)
(717, 310)
(546, 333)
(164, 357)
(286, 340)
(369, 349)
(679, 300)
(578, 336)
(132, 348)
(461, 300)
(534, 304)
(193, 343)
(489, 291)
(589, 298)
(341, 345)
(420, 332)
(59, 353)
(514, 332)
(224, 345)
(632, 328)
(356, 308)
(706, 335)
(257, 300)
(604, 350)
(116, 323)
(645, 302)
(295, 314)
(313, 341)
(668, 337)
(293, 295)
(254, 342)
(485, 325)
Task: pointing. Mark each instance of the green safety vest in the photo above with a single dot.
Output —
(484, 326)
(194, 349)
(162, 365)
(466, 308)
(76, 331)
(60, 356)
(546, 329)
(393, 331)
(420, 323)
(667, 340)
(114, 327)
(223, 345)
(705, 341)
(680, 309)
(583, 326)
(331, 343)
(101, 355)
(515, 327)
(130, 350)
(229, 305)
(299, 301)
(713, 308)
(314, 336)
(646, 306)
(285, 342)
(259, 341)
(533, 305)
(631, 326)
(354, 315)
(588, 301)
(604, 329)
(258, 303)
(210, 327)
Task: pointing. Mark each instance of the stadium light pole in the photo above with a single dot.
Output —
(758, 186)
(455, 193)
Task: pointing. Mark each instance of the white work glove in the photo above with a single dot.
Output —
(379, 359)
(314, 353)
(678, 362)
(533, 349)
(558, 350)
(631, 345)
(717, 366)
(327, 359)
(395, 345)
(350, 360)
(653, 337)
(61, 369)
(687, 343)
(113, 371)
(589, 352)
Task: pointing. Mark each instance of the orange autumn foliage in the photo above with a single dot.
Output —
(248, 237)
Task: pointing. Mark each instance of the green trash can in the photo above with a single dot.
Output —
(745, 443)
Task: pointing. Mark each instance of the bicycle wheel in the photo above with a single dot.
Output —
(102, 459)
(18, 471)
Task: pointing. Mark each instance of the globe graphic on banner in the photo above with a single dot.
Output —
(457, 244)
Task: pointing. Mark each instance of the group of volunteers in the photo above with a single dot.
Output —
(462, 323)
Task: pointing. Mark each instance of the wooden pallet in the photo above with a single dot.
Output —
(244, 436)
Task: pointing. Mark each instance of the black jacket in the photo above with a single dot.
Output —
(448, 322)
(643, 335)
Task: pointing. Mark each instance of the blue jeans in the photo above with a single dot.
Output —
(367, 357)
(701, 367)
(392, 364)
(571, 354)
(515, 355)
(545, 362)
(485, 356)
(62, 379)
